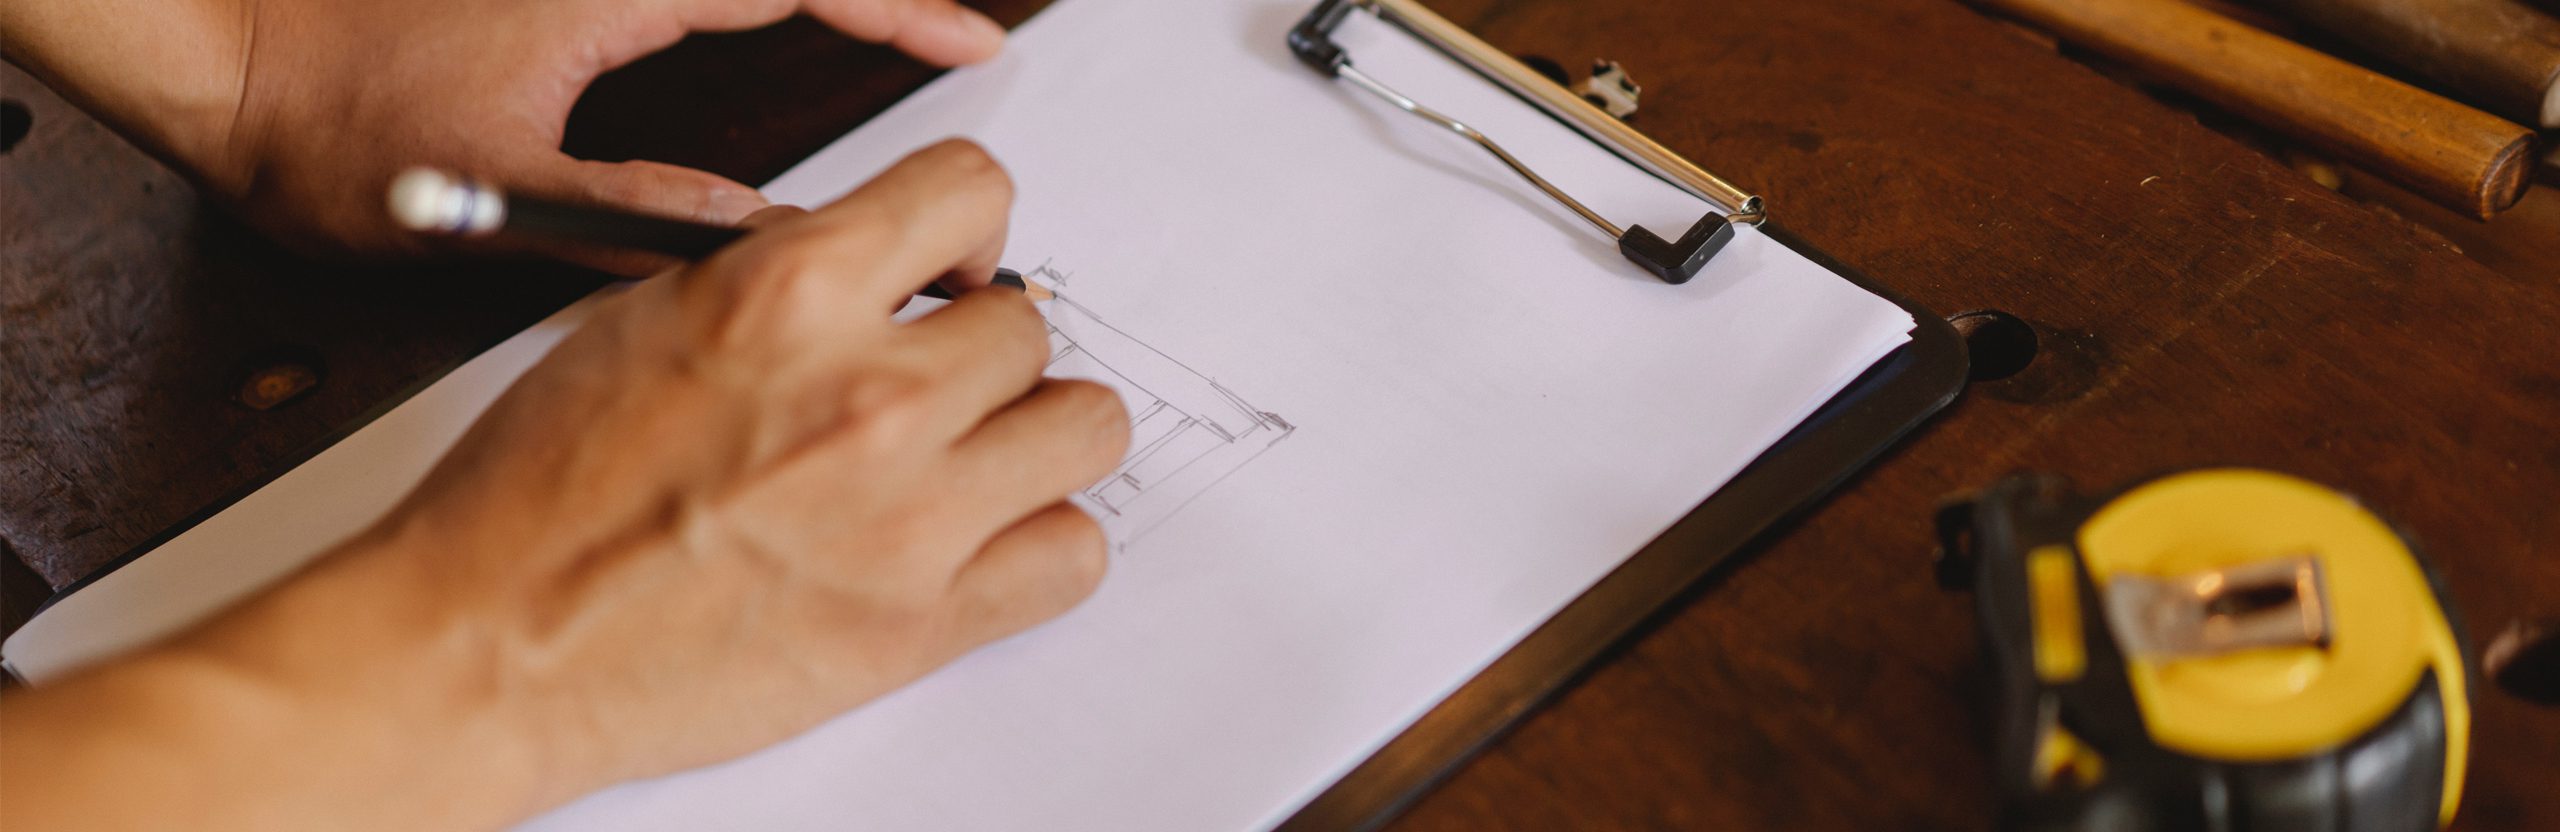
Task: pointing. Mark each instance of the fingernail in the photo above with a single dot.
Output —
(731, 206)
(980, 25)
(771, 214)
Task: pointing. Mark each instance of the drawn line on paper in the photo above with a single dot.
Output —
(1188, 432)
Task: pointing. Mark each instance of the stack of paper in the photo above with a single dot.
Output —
(1394, 407)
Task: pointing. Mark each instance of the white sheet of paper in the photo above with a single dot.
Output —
(1395, 410)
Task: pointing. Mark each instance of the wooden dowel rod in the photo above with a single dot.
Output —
(2500, 54)
(2462, 158)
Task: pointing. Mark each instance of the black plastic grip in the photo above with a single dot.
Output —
(1312, 39)
(1677, 262)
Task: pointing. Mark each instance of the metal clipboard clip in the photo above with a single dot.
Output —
(1675, 261)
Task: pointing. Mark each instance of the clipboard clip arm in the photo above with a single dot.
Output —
(1674, 261)
(1312, 39)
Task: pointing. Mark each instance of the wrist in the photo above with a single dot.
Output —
(168, 74)
(389, 704)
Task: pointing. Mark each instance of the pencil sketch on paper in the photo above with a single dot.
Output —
(1187, 431)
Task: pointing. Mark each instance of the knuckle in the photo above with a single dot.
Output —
(791, 276)
(977, 170)
(869, 225)
(864, 224)
(884, 410)
(785, 288)
(757, 271)
(903, 532)
(887, 394)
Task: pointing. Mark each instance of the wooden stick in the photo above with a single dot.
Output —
(2499, 54)
(2462, 158)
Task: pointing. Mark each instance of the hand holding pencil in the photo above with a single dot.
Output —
(740, 499)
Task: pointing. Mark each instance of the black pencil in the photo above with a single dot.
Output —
(431, 201)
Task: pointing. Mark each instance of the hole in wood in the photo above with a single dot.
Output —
(2525, 661)
(1999, 344)
(15, 121)
(277, 376)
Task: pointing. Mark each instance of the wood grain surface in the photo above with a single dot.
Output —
(2198, 304)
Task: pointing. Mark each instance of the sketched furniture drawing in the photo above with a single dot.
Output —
(1186, 431)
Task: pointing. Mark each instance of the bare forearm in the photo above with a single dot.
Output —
(342, 715)
(167, 73)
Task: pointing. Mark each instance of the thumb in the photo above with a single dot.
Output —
(644, 187)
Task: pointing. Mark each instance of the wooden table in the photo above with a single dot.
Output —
(2197, 305)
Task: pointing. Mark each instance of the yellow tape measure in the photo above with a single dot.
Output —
(2220, 649)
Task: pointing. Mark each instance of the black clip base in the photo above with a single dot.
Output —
(1677, 262)
(1312, 39)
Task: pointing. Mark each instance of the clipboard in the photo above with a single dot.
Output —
(1856, 428)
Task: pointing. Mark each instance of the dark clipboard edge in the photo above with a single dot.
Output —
(1853, 430)
(1856, 428)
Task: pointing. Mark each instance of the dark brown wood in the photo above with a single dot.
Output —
(2198, 304)
(134, 315)
(2519, 243)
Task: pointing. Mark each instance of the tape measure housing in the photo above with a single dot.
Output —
(2224, 648)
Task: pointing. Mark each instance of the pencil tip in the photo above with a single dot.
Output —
(1037, 292)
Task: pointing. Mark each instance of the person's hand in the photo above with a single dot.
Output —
(739, 500)
(300, 112)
